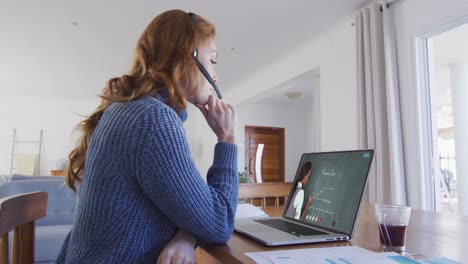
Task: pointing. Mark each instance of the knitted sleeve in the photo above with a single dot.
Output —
(169, 177)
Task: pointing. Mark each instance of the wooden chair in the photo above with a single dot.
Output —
(19, 212)
(264, 190)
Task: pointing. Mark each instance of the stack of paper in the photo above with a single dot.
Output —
(330, 255)
(247, 211)
(337, 255)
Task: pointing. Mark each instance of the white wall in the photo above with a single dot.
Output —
(334, 52)
(459, 84)
(201, 139)
(314, 118)
(294, 120)
(414, 18)
(56, 116)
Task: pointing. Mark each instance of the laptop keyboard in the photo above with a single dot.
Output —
(290, 227)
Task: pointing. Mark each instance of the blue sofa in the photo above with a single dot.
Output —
(52, 229)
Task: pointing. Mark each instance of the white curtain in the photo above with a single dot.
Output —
(378, 103)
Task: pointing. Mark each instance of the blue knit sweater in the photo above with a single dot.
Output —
(140, 185)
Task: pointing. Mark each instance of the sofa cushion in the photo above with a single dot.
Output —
(5, 178)
(49, 240)
(18, 177)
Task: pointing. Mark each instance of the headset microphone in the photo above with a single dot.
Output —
(206, 74)
(200, 66)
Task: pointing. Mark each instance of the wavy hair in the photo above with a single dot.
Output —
(162, 64)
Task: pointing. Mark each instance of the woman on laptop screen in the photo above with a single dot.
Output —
(297, 199)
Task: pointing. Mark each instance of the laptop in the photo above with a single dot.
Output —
(323, 204)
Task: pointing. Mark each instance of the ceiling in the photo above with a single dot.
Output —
(451, 46)
(294, 93)
(71, 48)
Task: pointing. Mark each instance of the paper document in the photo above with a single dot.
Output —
(417, 258)
(330, 255)
(248, 211)
(439, 260)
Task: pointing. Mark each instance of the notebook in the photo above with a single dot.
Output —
(323, 203)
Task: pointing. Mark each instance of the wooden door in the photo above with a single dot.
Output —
(272, 163)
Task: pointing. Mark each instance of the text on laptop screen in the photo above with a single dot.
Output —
(328, 188)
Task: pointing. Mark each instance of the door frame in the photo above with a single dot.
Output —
(428, 151)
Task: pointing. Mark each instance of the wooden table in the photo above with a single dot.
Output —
(430, 234)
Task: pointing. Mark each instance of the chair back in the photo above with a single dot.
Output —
(61, 201)
(264, 190)
(19, 213)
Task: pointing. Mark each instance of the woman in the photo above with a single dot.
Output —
(297, 199)
(140, 194)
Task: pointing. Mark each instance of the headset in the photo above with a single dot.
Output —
(200, 66)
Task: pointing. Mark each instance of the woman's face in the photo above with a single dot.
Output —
(208, 56)
(306, 179)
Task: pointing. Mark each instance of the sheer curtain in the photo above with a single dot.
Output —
(378, 102)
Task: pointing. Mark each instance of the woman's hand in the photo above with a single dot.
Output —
(180, 250)
(221, 117)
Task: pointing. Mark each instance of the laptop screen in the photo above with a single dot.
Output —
(328, 187)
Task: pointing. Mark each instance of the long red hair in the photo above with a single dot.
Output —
(162, 63)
